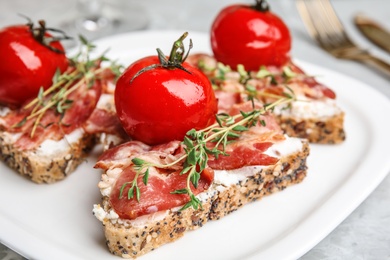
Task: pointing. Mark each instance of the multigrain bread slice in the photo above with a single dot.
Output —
(315, 115)
(230, 190)
(52, 160)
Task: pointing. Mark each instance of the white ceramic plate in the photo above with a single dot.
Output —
(56, 222)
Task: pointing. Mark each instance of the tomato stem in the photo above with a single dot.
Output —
(261, 5)
(175, 59)
(39, 34)
(177, 51)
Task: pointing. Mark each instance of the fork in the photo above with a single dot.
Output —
(324, 26)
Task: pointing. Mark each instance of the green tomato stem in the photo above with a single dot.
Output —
(177, 51)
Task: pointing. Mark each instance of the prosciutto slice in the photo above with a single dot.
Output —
(53, 125)
(104, 121)
(157, 194)
(307, 85)
(121, 156)
(249, 149)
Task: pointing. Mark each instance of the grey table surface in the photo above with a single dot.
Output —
(365, 234)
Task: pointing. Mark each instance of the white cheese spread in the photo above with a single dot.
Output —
(51, 147)
(4, 111)
(305, 108)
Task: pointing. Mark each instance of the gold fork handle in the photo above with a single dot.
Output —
(376, 63)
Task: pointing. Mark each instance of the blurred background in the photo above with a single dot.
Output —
(129, 15)
(365, 234)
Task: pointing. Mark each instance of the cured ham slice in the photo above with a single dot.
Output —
(82, 112)
(310, 82)
(157, 194)
(53, 125)
(122, 155)
(228, 95)
(243, 154)
(104, 121)
(210, 67)
(249, 149)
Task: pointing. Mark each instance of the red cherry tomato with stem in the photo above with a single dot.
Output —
(159, 100)
(29, 60)
(250, 35)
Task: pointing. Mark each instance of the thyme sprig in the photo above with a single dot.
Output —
(85, 70)
(199, 145)
(244, 78)
(141, 168)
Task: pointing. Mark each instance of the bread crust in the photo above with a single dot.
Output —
(321, 131)
(45, 169)
(129, 241)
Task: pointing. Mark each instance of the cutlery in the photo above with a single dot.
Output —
(373, 31)
(324, 26)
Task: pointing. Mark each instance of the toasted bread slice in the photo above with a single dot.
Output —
(52, 160)
(230, 190)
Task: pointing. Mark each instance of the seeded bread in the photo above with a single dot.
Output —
(133, 238)
(323, 131)
(43, 166)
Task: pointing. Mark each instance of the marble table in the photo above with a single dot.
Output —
(365, 234)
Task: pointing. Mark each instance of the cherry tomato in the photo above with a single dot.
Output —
(26, 63)
(158, 104)
(251, 36)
